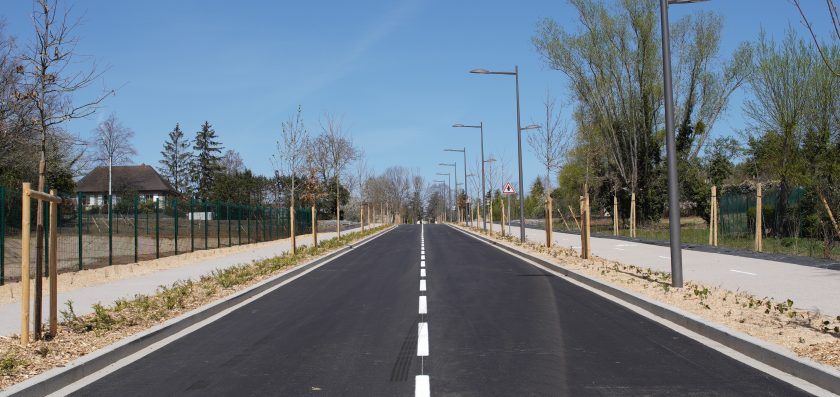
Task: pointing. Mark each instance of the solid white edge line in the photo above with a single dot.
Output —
(95, 376)
(723, 349)
(743, 272)
(423, 285)
(421, 386)
(422, 272)
(423, 339)
(423, 307)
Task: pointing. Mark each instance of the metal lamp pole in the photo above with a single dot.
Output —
(480, 126)
(464, 151)
(671, 147)
(515, 74)
(470, 211)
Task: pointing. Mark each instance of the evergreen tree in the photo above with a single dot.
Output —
(176, 163)
(206, 164)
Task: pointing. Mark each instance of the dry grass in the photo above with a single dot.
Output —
(807, 334)
(80, 335)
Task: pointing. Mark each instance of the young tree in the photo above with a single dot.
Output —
(337, 152)
(177, 161)
(51, 77)
(292, 150)
(549, 142)
(112, 144)
(206, 163)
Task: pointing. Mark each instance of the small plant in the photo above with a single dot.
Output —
(9, 363)
(101, 318)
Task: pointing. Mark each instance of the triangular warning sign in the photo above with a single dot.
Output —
(508, 189)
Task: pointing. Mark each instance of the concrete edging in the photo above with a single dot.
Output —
(809, 370)
(58, 378)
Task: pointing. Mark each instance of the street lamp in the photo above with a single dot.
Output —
(515, 74)
(449, 196)
(444, 197)
(671, 147)
(464, 151)
(470, 175)
(480, 126)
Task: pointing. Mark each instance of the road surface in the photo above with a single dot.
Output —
(468, 320)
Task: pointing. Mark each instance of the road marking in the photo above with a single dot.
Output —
(423, 307)
(743, 272)
(422, 272)
(421, 386)
(422, 263)
(422, 251)
(626, 245)
(422, 339)
(620, 249)
(422, 257)
(423, 285)
(664, 257)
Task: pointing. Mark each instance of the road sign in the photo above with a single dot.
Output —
(508, 189)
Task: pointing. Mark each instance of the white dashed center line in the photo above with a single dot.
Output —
(421, 386)
(423, 339)
(422, 285)
(423, 307)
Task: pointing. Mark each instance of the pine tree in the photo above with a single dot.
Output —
(176, 164)
(206, 164)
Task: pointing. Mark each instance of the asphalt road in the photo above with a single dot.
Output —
(496, 326)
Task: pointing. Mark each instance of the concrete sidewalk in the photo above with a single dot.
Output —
(808, 287)
(108, 292)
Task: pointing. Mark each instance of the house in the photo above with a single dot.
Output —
(141, 179)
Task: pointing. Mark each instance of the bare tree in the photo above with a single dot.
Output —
(51, 77)
(231, 162)
(337, 152)
(550, 142)
(833, 12)
(112, 144)
(292, 149)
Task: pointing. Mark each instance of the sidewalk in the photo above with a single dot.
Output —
(808, 287)
(107, 292)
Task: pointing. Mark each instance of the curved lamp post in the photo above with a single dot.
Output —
(480, 126)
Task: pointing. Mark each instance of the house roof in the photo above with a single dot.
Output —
(124, 178)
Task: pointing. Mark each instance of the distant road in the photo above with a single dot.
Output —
(472, 321)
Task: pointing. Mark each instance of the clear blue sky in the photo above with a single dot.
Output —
(395, 70)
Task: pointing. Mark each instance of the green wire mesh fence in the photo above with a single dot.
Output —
(94, 231)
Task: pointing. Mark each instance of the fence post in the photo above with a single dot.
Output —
(175, 221)
(26, 213)
(204, 206)
(314, 228)
(218, 227)
(292, 229)
(110, 234)
(227, 215)
(250, 213)
(136, 205)
(46, 205)
(615, 214)
(157, 229)
(759, 246)
(238, 224)
(53, 265)
(79, 215)
(712, 216)
(192, 229)
(2, 235)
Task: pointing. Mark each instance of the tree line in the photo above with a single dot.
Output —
(612, 62)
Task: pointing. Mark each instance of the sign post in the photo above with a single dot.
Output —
(508, 190)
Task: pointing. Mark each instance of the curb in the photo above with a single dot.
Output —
(809, 370)
(58, 378)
